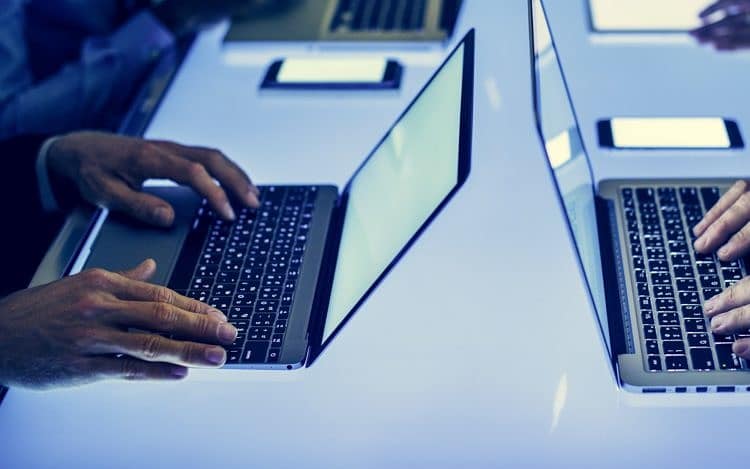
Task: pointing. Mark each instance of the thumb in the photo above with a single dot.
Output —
(142, 272)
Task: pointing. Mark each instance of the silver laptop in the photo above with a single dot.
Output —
(634, 243)
(290, 274)
(347, 20)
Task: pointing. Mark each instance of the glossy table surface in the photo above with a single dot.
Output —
(480, 348)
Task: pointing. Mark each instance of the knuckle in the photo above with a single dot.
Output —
(166, 316)
(151, 348)
(190, 353)
(97, 278)
(205, 327)
(130, 369)
(196, 171)
(215, 156)
(163, 295)
(87, 302)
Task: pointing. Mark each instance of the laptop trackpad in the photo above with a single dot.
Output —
(124, 243)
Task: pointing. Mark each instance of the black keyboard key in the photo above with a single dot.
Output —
(689, 298)
(663, 291)
(723, 338)
(703, 359)
(676, 363)
(695, 325)
(673, 347)
(670, 333)
(649, 332)
(645, 195)
(665, 304)
(681, 259)
(710, 196)
(686, 284)
(731, 274)
(647, 317)
(698, 340)
(233, 357)
(675, 235)
(661, 278)
(255, 352)
(706, 268)
(273, 355)
(726, 359)
(689, 196)
(710, 281)
(638, 263)
(709, 293)
(654, 363)
(652, 253)
(683, 272)
(692, 311)
(735, 264)
(236, 313)
(652, 347)
(668, 319)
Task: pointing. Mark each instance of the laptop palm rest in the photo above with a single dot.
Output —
(123, 243)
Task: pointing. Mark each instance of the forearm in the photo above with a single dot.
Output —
(86, 94)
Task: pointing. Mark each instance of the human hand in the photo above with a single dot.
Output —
(726, 225)
(730, 313)
(70, 331)
(731, 31)
(110, 169)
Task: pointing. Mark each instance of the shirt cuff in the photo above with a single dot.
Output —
(49, 202)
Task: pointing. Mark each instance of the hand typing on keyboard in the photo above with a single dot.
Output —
(730, 314)
(726, 226)
(94, 325)
(109, 170)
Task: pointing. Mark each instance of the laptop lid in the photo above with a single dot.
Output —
(401, 186)
(568, 162)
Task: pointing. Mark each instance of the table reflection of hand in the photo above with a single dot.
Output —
(731, 30)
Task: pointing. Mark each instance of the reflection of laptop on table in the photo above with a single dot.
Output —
(290, 274)
(634, 243)
(348, 20)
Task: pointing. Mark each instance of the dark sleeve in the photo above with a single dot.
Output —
(19, 188)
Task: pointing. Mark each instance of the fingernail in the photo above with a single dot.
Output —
(724, 252)
(252, 199)
(709, 306)
(740, 348)
(215, 355)
(179, 372)
(700, 243)
(216, 314)
(228, 212)
(717, 323)
(254, 190)
(162, 215)
(227, 333)
(698, 228)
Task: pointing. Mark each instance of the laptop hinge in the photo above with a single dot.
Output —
(615, 286)
(325, 281)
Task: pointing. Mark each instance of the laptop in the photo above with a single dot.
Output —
(347, 20)
(290, 274)
(633, 240)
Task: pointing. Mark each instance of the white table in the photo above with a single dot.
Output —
(479, 349)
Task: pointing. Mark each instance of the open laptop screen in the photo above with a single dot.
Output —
(405, 179)
(566, 155)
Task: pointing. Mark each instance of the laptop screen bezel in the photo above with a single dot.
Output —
(603, 330)
(317, 345)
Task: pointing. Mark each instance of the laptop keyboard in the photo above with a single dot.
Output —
(248, 269)
(673, 281)
(379, 15)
